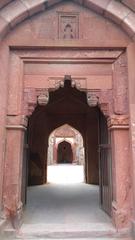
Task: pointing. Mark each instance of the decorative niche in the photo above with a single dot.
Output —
(68, 26)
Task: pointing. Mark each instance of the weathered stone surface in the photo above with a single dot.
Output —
(116, 12)
(129, 3)
(120, 75)
(3, 109)
(129, 24)
(4, 2)
(4, 27)
(14, 13)
(34, 6)
(79, 1)
(97, 5)
(19, 12)
(131, 74)
(52, 2)
(47, 27)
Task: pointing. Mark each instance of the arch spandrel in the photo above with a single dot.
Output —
(119, 12)
(81, 19)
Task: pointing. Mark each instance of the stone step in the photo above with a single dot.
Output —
(63, 231)
(77, 238)
(81, 231)
(15, 236)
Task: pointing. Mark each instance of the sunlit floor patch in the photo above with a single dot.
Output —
(65, 174)
(57, 210)
(58, 204)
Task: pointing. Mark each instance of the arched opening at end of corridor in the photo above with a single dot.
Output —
(64, 153)
(68, 109)
(66, 157)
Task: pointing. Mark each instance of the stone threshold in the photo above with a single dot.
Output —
(63, 231)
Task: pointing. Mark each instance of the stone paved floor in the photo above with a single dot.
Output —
(70, 208)
(64, 204)
(65, 211)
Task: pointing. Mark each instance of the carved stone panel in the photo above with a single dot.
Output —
(68, 26)
(121, 121)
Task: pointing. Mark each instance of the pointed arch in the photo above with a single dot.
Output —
(72, 136)
(64, 152)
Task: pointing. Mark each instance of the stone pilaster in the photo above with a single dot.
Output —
(131, 87)
(121, 205)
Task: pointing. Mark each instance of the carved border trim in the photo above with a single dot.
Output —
(32, 97)
(16, 127)
(118, 121)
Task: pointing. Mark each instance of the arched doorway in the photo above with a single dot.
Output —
(100, 66)
(65, 199)
(48, 118)
(64, 153)
(65, 142)
(73, 137)
(65, 104)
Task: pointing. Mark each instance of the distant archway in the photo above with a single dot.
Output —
(73, 137)
(64, 153)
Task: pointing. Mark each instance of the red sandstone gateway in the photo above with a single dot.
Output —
(68, 63)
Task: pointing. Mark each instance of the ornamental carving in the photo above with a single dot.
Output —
(92, 99)
(95, 98)
(79, 82)
(43, 98)
(56, 82)
(68, 26)
(118, 120)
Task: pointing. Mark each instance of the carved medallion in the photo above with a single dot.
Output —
(68, 26)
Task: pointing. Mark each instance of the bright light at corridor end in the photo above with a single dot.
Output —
(65, 174)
